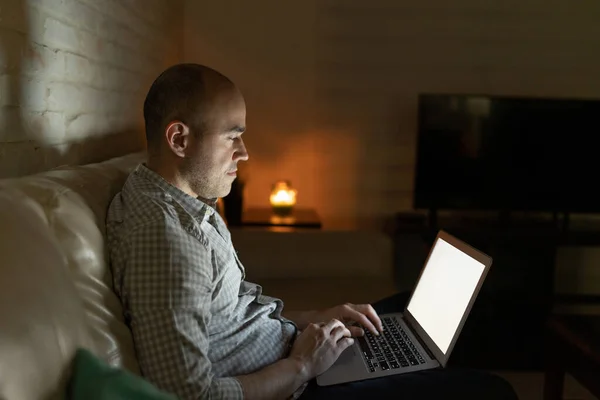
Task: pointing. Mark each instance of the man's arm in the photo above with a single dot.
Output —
(167, 288)
(314, 351)
(167, 292)
(277, 381)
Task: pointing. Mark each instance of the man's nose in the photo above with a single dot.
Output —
(241, 153)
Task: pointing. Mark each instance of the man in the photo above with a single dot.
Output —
(200, 330)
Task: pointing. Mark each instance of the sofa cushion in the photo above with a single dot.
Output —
(42, 319)
(70, 204)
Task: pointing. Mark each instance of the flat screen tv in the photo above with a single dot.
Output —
(477, 152)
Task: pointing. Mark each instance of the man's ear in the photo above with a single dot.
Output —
(178, 137)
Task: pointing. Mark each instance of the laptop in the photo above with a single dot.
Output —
(423, 336)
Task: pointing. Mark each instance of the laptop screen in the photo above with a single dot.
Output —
(443, 292)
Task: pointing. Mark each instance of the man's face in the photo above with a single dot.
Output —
(211, 163)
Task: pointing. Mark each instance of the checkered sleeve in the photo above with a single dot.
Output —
(168, 286)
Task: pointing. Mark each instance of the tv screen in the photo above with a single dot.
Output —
(507, 153)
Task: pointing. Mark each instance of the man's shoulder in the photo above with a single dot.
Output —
(140, 205)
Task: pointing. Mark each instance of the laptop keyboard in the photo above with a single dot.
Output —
(390, 350)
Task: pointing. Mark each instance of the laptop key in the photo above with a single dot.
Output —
(365, 348)
(393, 349)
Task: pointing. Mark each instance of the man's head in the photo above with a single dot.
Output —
(194, 121)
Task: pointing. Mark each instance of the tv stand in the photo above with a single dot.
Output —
(435, 223)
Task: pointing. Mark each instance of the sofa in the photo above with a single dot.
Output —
(56, 288)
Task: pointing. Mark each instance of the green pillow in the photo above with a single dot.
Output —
(94, 379)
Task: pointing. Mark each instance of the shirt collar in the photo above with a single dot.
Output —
(194, 206)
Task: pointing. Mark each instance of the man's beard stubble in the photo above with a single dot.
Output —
(194, 171)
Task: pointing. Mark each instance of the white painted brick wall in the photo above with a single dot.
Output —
(331, 85)
(74, 74)
(331, 88)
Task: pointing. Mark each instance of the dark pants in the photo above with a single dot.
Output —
(449, 383)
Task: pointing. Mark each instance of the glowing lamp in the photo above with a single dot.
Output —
(283, 198)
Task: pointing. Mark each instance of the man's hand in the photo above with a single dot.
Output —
(361, 314)
(349, 314)
(319, 345)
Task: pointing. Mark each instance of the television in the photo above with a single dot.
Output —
(478, 152)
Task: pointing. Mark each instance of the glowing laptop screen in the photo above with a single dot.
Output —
(443, 292)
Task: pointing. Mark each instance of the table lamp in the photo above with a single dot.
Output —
(283, 198)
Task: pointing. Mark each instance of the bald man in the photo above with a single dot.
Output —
(200, 330)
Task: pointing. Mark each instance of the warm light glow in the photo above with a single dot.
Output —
(283, 197)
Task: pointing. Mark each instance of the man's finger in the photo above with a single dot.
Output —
(340, 332)
(361, 318)
(370, 312)
(356, 331)
(334, 323)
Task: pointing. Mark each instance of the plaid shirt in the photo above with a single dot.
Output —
(196, 323)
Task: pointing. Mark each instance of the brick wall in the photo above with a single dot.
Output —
(331, 85)
(74, 74)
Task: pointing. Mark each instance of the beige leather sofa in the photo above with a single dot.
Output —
(55, 285)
